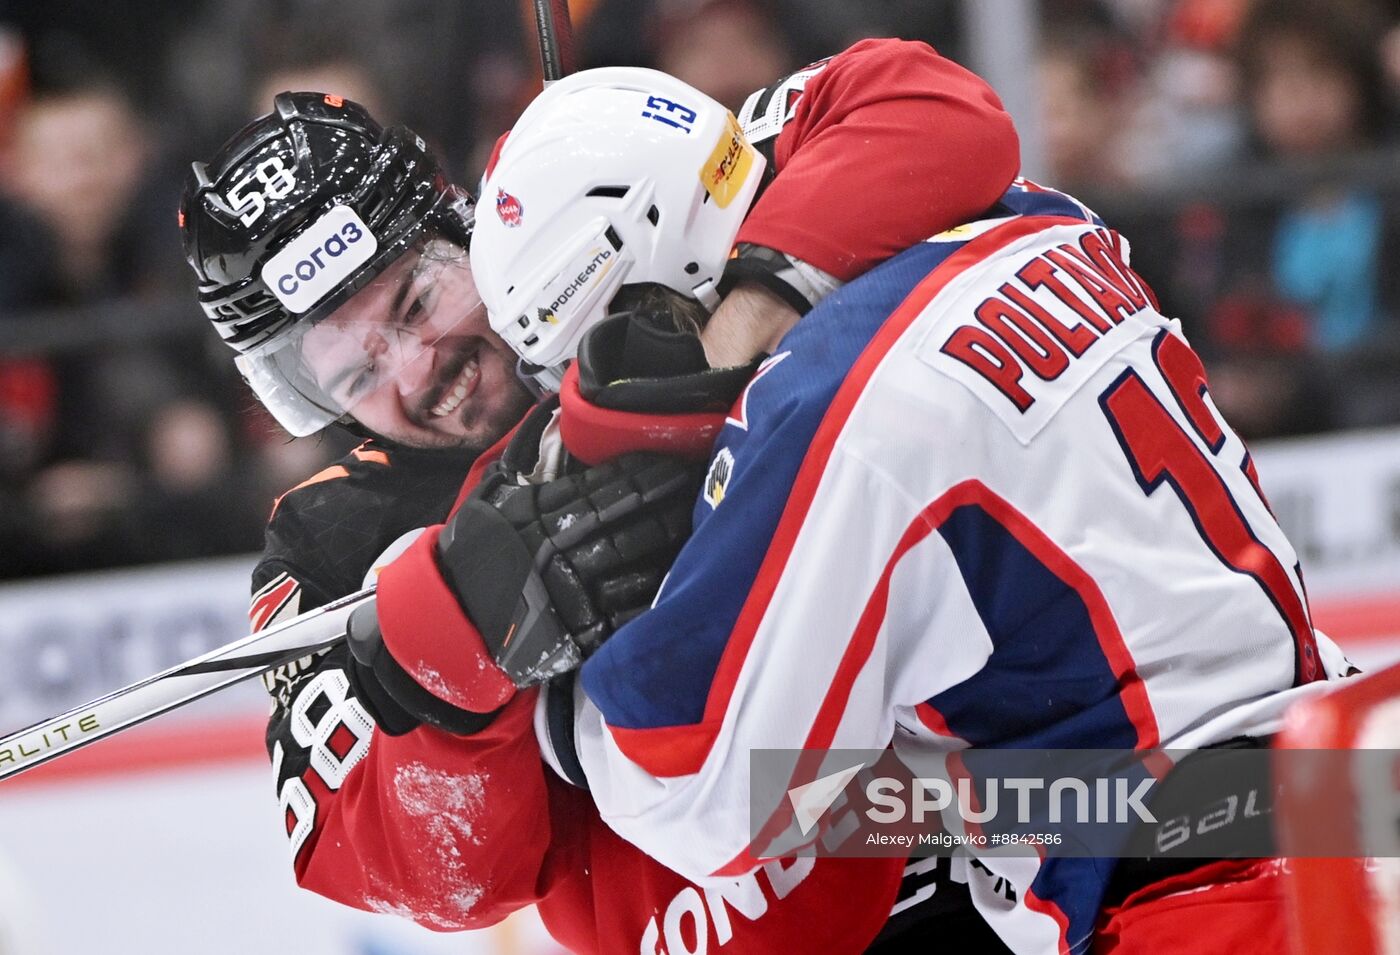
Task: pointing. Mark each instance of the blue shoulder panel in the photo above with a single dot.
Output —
(1025, 198)
(657, 670)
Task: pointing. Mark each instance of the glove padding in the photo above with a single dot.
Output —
(546, 572)
(392, 697)
(638, 361)
(640, 385)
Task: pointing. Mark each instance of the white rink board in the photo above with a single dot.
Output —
(186, 859)
(1338, 498)
(68, 640)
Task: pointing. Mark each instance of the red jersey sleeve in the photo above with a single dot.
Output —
(454, 832)
(883, 146)
(449, 831)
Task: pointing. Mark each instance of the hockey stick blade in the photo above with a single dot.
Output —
(184, 683)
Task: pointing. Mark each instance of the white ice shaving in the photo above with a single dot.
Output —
(449, 804)
(432, 681)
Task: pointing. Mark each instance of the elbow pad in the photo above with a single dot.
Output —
(796, 282)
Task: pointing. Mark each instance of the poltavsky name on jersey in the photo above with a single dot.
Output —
(1027, 328)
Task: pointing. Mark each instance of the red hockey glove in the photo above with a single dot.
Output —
(393, 698)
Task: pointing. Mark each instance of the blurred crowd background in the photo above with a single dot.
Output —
(1249, 150)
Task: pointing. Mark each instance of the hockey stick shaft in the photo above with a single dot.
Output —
(556, 33)
(184, 683)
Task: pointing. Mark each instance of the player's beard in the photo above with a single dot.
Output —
(496, 402)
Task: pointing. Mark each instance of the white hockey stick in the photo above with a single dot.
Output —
(233, 663)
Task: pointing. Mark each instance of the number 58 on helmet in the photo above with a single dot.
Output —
(296, 213)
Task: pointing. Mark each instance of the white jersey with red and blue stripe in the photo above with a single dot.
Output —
(977, 497)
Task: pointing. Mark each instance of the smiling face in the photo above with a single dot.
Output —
(412, 358)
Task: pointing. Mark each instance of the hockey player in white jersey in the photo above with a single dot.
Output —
(980, 496)
(359, 835)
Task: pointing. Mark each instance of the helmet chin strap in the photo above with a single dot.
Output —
(707, 294)
(539, 380)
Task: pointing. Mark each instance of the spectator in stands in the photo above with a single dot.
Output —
(26, 275)
(75, 161)
(197, 500)
(724, 48)
(1083, 83)
(84, 165)
(69, 167)
(1315, 90)
(1187, 120)
(81, 512)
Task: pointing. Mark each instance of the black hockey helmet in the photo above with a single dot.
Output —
(321, 170)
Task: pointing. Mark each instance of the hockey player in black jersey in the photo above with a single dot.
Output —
(331, 255)
(262, 206)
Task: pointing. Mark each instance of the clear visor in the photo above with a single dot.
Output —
(380, 338)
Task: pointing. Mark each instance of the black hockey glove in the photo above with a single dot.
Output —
(641, 385)
(800, 285)
(547, 571)
(638, 361)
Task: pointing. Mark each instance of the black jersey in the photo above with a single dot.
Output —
(322, 541)
(325, 533)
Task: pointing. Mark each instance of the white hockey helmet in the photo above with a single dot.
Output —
(612, 176)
